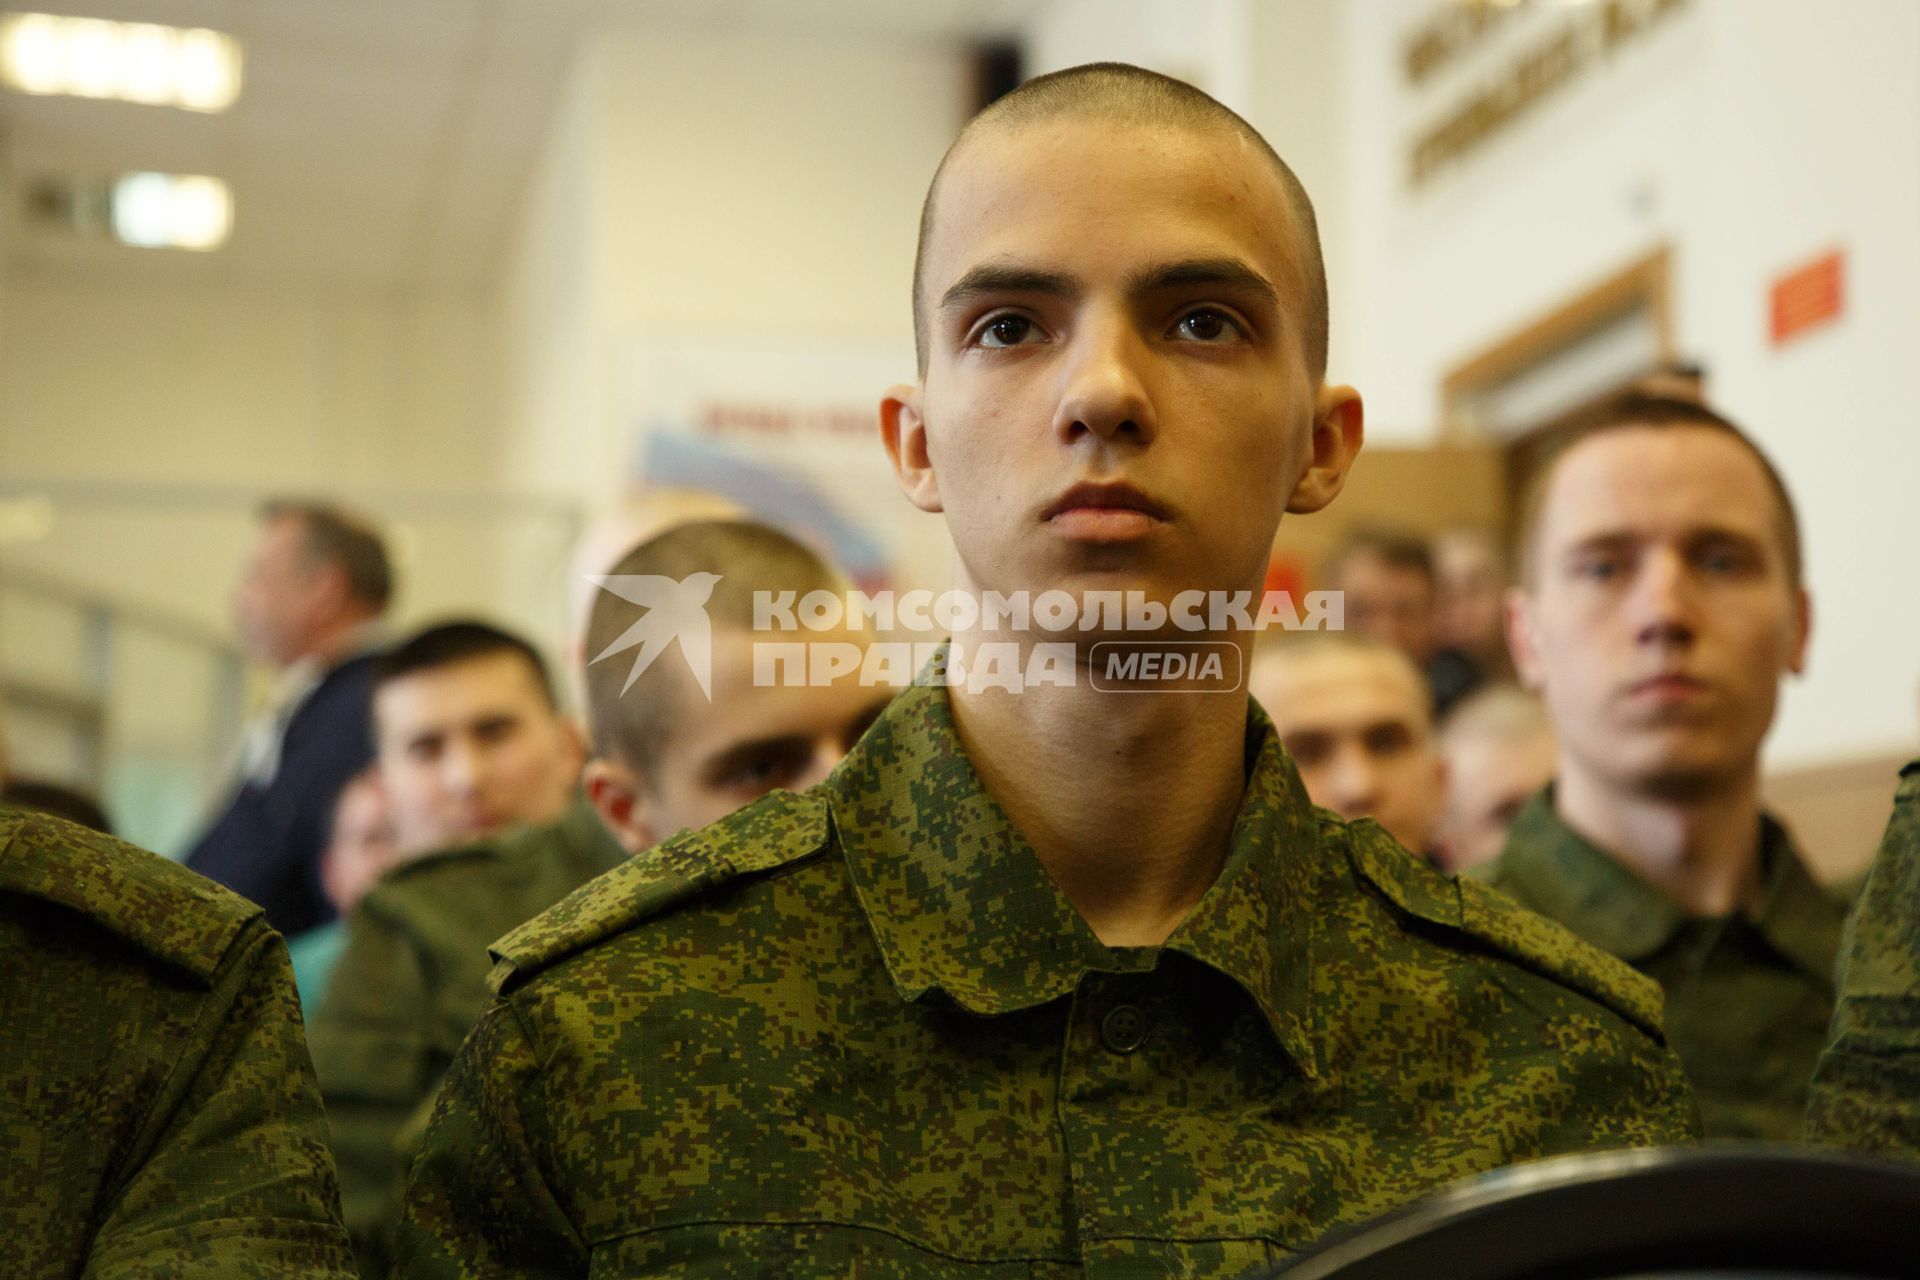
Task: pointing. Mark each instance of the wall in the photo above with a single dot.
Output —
(712, 183)
(1751, 136)
(151, 421)
(155, 419)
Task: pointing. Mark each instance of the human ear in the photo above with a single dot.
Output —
(619, 799)
(1339, 428)
(1802, 631)
(904, 431)
(1521, 642)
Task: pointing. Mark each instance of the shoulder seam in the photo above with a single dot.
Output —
(1479, 912)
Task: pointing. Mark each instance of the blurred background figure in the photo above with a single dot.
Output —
(313, 590)
(470, 736)
(1661, 605)
(1391, 590)
(664, 756)
(360, 849)
(1499, 749)
(412, 979)
(1470, 574)
(1355, 715)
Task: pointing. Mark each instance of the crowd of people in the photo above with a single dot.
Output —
(837, 977)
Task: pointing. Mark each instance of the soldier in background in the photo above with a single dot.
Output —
(1355, 716)
(472, 745)
(1391, 591)
(160, 1114)
(1866, 1088)
(1499, 750)
(307, 605)
(1660, 605)
(1066, 978)
(413, 981)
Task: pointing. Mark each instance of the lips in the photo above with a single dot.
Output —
(1668, 685)
(1106, 497)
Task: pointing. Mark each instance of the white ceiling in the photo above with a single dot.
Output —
(376, 143)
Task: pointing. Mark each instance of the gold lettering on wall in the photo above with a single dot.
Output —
(1587, 36)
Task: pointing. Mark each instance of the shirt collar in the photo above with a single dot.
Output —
(1599, 898)
(1800, 919)
(959, 902)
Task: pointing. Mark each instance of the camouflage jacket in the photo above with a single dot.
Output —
(1866, 1090)
(1748, 995)
(158, 1116)
(409, 985)
(858, 1031)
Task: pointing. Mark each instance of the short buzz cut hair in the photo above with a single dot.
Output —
(448, 644)
(339, 538)
(1117, 93)
(1637, 411)
(633, 724)
(1293, 648)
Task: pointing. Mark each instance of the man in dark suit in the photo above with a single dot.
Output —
(316, 584)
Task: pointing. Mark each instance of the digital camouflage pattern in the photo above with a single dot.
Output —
(1748, 996)
(158, 1116)
(411, 983)
(858, 1031)
(1866, 1091)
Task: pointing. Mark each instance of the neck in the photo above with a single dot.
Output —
(1702, 851)
(334, 643)
(1128, 799)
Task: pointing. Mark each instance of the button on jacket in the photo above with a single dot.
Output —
(1748, 996)
(858, 1031)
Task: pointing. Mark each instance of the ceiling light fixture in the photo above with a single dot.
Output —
(193, 68)
(171, 211)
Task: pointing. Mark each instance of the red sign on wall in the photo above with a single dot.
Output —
(1807, 298)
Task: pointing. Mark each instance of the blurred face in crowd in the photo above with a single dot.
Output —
(470, 747)
(285, 599)
(361, 846)
(1470, 609)
(1113, 319)
(1660, 612)
(1358, 724)
(716, 757)
(1391, 603)
(1489, 777)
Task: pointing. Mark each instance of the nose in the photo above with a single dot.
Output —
(1663, 601)
(461, 769)
(1105, 393)
(1353, 783)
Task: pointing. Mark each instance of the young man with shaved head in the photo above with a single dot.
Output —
(1356, 719)
(414, 976)
(1055, 979)
(1660, 605)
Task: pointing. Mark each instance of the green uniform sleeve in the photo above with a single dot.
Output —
(478, 1202)
(372, 1051)
(230, 1178)
(1866, 1089)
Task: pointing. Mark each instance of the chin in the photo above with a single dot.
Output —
(1682, 777)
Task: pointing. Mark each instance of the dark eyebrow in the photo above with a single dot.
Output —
(1228, 272)
(739, 754)
(988, 278)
